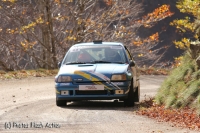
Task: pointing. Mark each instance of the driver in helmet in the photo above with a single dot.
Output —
(84, 57)
(112, 55)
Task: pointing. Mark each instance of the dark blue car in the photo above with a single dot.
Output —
(97, 71)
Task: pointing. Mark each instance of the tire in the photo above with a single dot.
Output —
(136, 95)
(61, 103)
(130, 100)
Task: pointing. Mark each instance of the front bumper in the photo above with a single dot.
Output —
(117, 91)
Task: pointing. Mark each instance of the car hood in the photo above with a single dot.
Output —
(103, 70)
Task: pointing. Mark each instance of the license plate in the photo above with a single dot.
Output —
(91, 87)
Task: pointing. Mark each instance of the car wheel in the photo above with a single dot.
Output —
(137, 95)
(61, 103)
(130, 100)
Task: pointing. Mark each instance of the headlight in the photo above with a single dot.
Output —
(118, 77)
(64, 79)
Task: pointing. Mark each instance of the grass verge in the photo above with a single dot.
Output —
(182, 87)
(27, 73)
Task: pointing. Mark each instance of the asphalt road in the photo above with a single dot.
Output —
(28, 105)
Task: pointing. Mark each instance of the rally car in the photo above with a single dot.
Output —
(97, 71)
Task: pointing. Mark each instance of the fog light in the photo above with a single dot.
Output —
(64, 92)
(119, 91)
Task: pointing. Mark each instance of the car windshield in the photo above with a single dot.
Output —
(95, 54)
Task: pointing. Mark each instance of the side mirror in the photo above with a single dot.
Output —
(132, 63)
(59, 64)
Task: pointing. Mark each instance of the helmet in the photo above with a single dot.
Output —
(111, 53)
(84, 57)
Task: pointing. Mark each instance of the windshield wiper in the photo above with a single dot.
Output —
(97, 61)
(117, 62)
(100, 61)
(75, 63)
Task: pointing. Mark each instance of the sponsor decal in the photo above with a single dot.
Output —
(78, 79)
(118, 83)
(116, 47)
(75, 50)
(91, 87)
(64, 84)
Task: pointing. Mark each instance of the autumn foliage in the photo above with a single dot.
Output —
(36, 34)
(158, 14)
(185, 117)
(186, 26)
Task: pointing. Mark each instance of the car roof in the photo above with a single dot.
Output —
(99, 43)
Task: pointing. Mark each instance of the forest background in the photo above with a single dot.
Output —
(33, 32)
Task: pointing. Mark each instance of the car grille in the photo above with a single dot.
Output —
(95, 92)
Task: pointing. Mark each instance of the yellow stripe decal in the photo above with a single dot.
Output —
(88, 76)
(105, 78)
